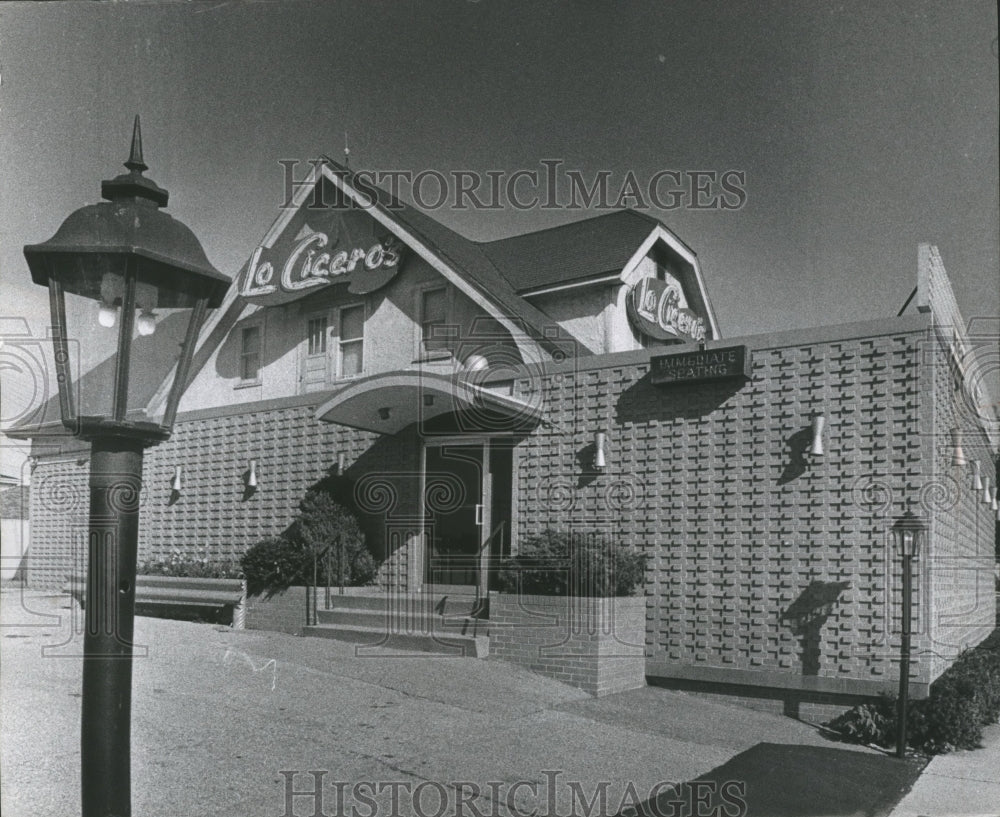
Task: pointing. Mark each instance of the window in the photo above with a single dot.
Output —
(316, 331)
(351, 357)
(433, 317)
(250, 353)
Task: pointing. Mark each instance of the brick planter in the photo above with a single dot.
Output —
(595, 644)
(284, 612)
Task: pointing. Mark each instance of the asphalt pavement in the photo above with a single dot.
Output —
(254, 724)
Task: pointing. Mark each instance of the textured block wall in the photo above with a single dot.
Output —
(214, 516)
(767, 565)
(961, 559)
(59, 508)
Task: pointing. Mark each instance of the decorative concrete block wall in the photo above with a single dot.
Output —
(595, 644)
(768, 566)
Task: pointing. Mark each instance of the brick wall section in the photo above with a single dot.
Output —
(961, 558)
(284, 612)
(593, 644)
(766, 565)
(60, 507)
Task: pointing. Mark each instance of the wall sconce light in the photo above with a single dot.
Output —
(993, 501)
(252, 476)
(987, 496)
(977, 479)
(958, 458)
(341, 462)
(384, 413)
(175, 483)
(816, 449)
(600, 452)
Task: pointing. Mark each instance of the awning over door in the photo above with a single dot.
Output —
(387, 403)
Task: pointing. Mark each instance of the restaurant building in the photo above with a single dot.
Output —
(576, 378)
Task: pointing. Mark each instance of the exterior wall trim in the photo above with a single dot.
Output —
(780, 681)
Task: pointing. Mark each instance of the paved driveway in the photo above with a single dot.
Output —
(232, 723)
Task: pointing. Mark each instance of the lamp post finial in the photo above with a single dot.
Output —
(134, 161)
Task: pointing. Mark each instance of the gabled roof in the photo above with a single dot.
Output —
(570, 253)
(464, 256)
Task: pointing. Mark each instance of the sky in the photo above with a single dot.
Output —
(862, 129)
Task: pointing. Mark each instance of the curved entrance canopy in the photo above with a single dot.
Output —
(387, 403)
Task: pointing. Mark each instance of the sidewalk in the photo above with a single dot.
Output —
(249, 723)
(961, 783)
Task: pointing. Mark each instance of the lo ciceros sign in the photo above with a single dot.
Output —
(657, 308)
(705, 364)
(317, 258)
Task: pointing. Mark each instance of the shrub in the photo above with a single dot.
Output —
(323, 524)
(961, 702)
(179, 565)
(577, 563)
(274, 564)
(322, 528)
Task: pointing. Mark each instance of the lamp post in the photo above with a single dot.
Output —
(908, 533)
(107, 262)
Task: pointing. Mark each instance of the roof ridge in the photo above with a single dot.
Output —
(623, 211)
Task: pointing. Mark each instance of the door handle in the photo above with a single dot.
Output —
(479, 514)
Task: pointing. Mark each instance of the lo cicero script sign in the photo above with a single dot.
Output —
(705, 364)
(318, 249)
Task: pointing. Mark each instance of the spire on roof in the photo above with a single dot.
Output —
(134, 161)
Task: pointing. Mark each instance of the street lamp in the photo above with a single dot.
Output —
(125, 279)
(909, 534)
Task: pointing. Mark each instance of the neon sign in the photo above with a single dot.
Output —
(658, 309)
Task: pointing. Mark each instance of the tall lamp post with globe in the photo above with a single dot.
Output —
(114, 270)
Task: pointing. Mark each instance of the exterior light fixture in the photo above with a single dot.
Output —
(909, 533)
(252, 476)
(977, 478)
(600, 451)
(175, 483)
(123, 277)
(993, 500)
(958, 458)
(816, 449)
(987, 495)
(341, 462)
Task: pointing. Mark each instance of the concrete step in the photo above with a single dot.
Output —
(453, 644)
(447, 604)
(413, 620)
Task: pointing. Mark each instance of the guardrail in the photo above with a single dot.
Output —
(214, 600)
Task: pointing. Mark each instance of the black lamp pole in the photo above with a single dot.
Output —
(904, 658)
(127, 256)
(908, 532)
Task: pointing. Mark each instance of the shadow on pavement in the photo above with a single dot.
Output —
(786, 780)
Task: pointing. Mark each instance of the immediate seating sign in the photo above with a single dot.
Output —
(705, 364)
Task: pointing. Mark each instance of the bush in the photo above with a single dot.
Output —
(323, 524)
(578, 563)
(962, 701)
(323, 528)
(190, 567)
(274, 564)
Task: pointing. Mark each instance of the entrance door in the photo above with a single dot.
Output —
(467, 488)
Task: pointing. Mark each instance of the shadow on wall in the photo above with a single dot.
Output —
(383, 482)
(798, 459)
(789, 780)
(807, 615)
(642, 401)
